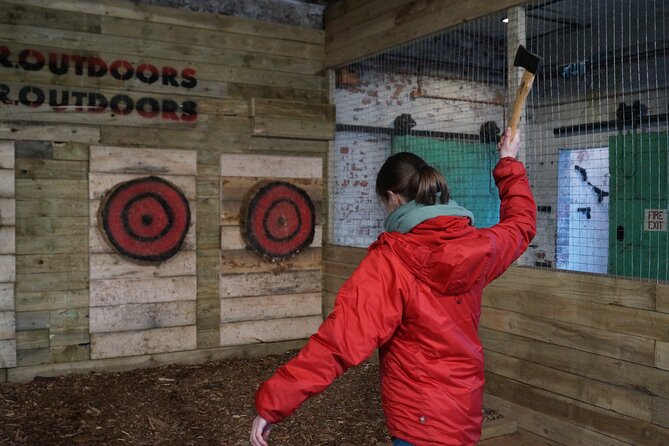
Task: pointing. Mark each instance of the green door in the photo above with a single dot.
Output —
(638, 240)
(467, 167)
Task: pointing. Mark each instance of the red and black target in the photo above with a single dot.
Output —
(145, 219)
(278, 219)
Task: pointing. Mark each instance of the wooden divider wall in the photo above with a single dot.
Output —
(224, 85)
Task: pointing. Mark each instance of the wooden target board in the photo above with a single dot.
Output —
(145, 219)
(277, 219)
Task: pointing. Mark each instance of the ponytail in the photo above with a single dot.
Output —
(430, 182)
(408, 175)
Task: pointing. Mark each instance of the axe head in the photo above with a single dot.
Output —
(526, 59)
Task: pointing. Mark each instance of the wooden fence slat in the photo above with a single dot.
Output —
(245, 261)
(7, 240)
(32, 339)
(112, 266)
(289, 127)
(48, 226)
(6, 154)
(142, 291)
(270, 307)
(236, 188)
(584, 287)
(97, 245)
(7, 183)
(124, 160)
(7, 353)
(661, 411)
(7, 212)
(244, 165)
(298, 110)
(7, 325)
(231, 238)
(646, 379)
(27, 189)
(603, 342)
(662, 355)
(50, 263)
(51, 300)
(25, 374)
(556, 429)
(260, 284)
(176, 34)
(143, 316)
(46, 169)
(101, 183)
(7, 268)
(6, 296)
(250, 332)
(51, 244)
(623, 428)
(50, 281)
(50, 133)
(633, 321)
(606, 396)
(230, 213)
(142, 342)
(662, 298)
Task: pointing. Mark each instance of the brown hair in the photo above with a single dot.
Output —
(408, 175)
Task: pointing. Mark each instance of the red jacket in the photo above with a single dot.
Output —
(417, 297)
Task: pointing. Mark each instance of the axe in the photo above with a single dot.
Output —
(530, 62)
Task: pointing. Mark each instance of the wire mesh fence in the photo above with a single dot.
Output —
(595, 128)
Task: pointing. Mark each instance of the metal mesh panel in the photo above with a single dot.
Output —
(594, 129)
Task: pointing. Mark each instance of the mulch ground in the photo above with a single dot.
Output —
(203, 404)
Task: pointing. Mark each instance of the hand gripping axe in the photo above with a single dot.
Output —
(530, 62)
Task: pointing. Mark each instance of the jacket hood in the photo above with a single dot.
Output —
(446, 253)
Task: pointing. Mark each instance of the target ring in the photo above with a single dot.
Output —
(278, 219)
(145, 219)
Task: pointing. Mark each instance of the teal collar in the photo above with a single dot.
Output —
(411, 214)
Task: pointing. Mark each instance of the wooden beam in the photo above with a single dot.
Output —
(243, 165)
(123, 160)
(272, 330)
(259, 284)
(25, 374)
(410, 21)
(142, 342)
(564, 432)
(582, 337)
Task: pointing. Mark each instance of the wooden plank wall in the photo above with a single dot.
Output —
(258, 88)
(580, 359)
(583, 356)
(138, 309)
(264, 301)
(356, 29)
(7, 258)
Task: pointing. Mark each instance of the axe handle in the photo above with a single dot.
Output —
(523, 90)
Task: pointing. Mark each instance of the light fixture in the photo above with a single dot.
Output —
(505, 20)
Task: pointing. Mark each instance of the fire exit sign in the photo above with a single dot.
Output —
(655, 220)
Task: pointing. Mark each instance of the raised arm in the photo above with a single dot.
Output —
(518, 220)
